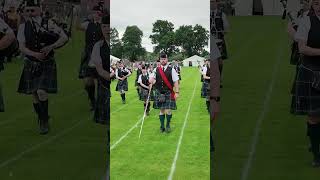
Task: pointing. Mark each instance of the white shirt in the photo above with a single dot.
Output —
(4, 27)
(51, 27)
(125, 69)
(204, 70)
(95, 55)
(174, 74)
(303, 29)
(140, 77)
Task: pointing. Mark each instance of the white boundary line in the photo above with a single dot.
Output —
(255, 137)
(129, 131)
(173, 167)
(49, 140)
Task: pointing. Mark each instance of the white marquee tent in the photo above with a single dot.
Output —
(194, 61)
(270, 7)
(113, 59)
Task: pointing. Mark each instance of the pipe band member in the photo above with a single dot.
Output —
(39, 75)
(6, 38)
(166, 87)
(307, 92)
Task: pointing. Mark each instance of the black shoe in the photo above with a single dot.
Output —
(168, 129)
(44, 129)
(162, 129)
(124, 101)
(316, 163)
(148, 113)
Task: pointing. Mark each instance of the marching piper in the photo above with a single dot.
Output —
(93, 34)
(101, 61)
(122, 75)
(6, 38)
(37, 40)
(166, 87)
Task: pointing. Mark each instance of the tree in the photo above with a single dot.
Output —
(131, 40)
(192, 39)
(163, 37)
(115, 43)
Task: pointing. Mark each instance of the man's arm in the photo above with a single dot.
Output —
(7, 40)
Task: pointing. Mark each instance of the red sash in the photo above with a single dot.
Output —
(166, 82)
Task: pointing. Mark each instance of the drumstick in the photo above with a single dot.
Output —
(145, 110)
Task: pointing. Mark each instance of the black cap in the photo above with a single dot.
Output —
(163, 55)
(32, 3)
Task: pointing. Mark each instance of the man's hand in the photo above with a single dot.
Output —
(176, 96)
(39, 56)
(46, 50)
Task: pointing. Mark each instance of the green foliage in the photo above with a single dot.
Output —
(131, 40)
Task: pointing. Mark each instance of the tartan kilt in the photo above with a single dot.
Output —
(205, 90)
(223, 49)
(306, 99)
(168, 104)
(38, 75)
(1, 101)
(122, 85)
(102, 110)
(143, 94)
(85, 70)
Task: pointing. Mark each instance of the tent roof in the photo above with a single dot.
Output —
(194, 58)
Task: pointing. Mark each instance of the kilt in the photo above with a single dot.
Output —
(38, 75)
(1, 101)
(85, 70)
(122, 85)
(306, 99)
(168, 104)
(205, 90)
(102, 110)
(223, 49)
(143, 94)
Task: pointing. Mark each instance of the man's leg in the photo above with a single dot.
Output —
(162, 117)
(169, 116)
(43, 111)
(90, 88)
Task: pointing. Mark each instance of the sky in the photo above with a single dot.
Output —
(144, 13)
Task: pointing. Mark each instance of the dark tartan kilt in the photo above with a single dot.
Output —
(143, 94)
(205, 90)
(122, 85)
(306, 99)
(85, 70)
(102, 110)
(223, 49)
(168, 104)
(38, 75)
(1, 101)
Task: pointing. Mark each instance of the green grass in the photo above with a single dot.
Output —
(151, 157)
(76, 146)
(256, 45)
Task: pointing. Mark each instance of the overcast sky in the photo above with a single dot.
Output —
(144, 13)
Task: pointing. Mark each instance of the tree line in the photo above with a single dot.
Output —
(183, 42)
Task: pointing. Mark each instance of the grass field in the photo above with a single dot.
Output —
(256, 136)
(152, 156)
(74, 149)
